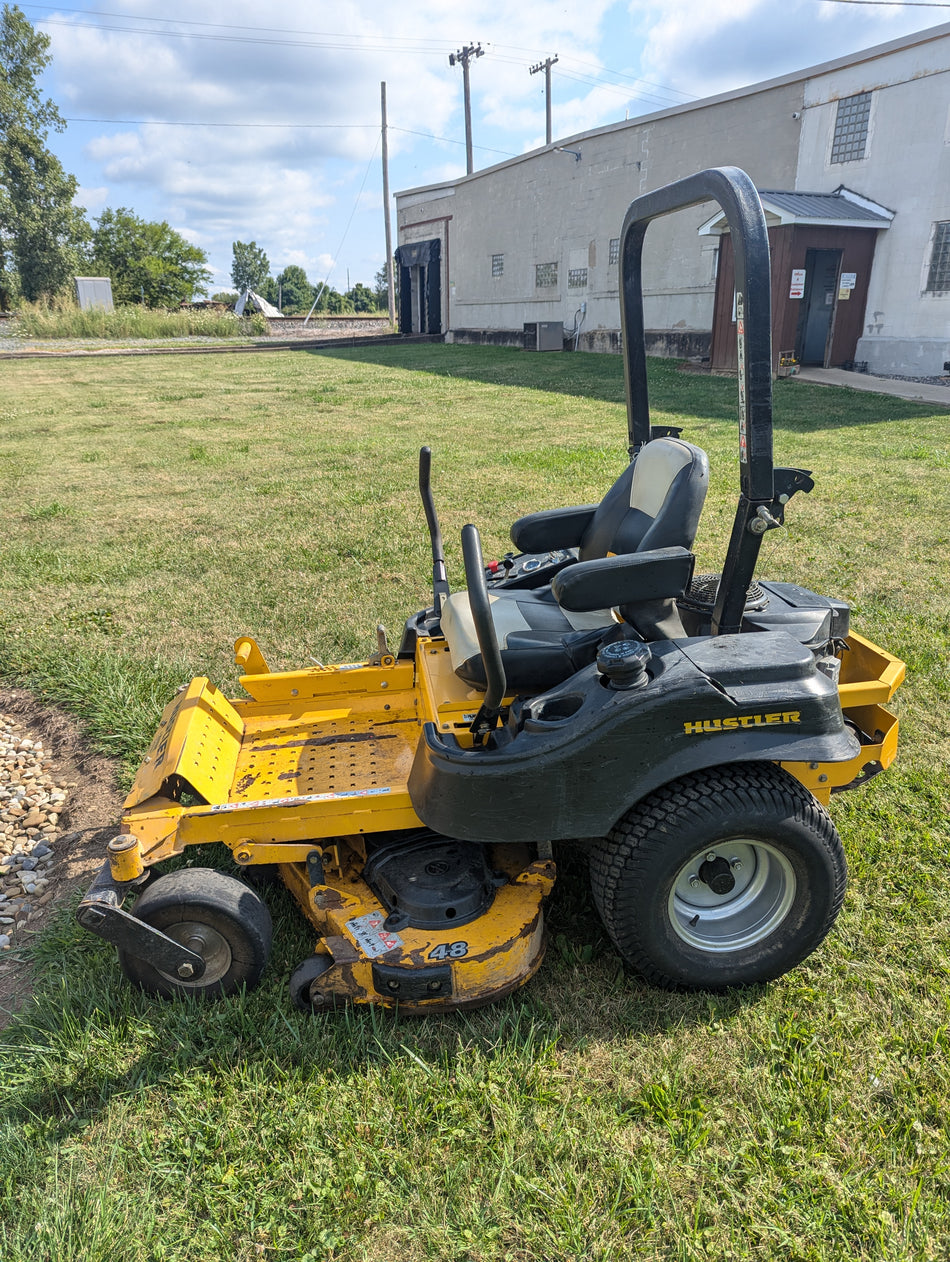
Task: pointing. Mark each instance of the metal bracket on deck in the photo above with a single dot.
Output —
(101, 913)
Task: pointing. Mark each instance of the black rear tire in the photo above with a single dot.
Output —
(216, 915)
(757, 835)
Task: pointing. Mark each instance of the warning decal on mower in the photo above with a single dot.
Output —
(371, 934)
(302, 800)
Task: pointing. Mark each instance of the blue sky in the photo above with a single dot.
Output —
(237, 120)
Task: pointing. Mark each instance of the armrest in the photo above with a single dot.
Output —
(624, 580)
(553, 528)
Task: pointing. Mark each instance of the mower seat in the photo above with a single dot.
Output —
(655, 503)
(653, 508)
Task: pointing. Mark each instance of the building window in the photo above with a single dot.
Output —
(614, 256)
(497, 265)
(938, 278)
(851, 128)
(577, 278)
(545, 275)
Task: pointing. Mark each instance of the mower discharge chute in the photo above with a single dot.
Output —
(689, 731)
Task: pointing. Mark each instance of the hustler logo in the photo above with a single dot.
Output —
(732, 724)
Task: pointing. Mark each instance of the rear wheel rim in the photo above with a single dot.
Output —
(759, 902)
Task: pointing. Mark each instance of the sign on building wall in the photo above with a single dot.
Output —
(797, 287)
(846, 284)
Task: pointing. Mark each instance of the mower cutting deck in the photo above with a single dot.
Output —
(697, 728)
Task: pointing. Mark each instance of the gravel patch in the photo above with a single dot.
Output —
(59, 805)
(32, 800)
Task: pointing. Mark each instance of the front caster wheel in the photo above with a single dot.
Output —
(218, 917)
(300, 981)
(723, 878)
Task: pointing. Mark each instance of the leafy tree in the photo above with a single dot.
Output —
(268, 291)
(227, 296)
(330, 301)
(249, 267)
(9, 281)
(381, 288)
(149, 263)
(296, 291)
(41, 232)
(362, 298)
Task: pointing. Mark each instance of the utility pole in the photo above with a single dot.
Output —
(390, 279)
(464, 56)
(546, 67)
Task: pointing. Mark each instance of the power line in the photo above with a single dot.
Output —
(628, 94)
(239, 39)
(356, 203)
(448, 140)
(896, 4)
(220, 26)
(580, 61)
(414, 44)
(170, 122)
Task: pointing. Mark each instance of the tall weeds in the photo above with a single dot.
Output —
(59, 319)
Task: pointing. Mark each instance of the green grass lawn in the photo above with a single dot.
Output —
(151, 510)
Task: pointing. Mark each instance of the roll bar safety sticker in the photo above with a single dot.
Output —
(740, 352)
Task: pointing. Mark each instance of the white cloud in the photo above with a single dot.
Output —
(293, 188)
(90, 199)
(710, 46)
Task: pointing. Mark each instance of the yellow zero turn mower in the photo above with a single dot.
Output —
(589, 688)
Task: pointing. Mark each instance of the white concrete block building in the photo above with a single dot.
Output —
(534, 239)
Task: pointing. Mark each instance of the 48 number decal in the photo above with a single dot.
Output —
(449, 951)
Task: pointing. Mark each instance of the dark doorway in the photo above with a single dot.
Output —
(822, 269)
(420, 286)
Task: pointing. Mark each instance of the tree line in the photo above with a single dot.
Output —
(45, 240)
(292, 292)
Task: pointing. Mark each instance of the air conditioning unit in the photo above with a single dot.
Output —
(544, 335)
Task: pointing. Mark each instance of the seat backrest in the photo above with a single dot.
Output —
(655, 503)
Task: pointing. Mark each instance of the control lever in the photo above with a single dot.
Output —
(440, 582)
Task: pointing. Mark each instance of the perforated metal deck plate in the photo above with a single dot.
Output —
(339, 754)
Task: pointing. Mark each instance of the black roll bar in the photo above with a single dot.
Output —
(737, 195)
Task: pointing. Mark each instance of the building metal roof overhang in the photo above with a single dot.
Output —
(841, 209)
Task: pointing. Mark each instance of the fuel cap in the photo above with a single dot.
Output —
(624, 663)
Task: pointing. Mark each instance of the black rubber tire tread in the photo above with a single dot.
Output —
(313, 966)
(632, 873)
(213, 898)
